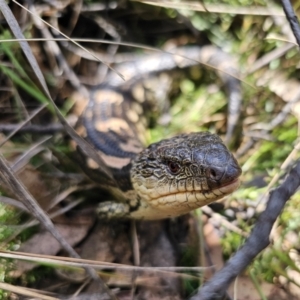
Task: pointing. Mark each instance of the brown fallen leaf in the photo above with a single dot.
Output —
(73, 230)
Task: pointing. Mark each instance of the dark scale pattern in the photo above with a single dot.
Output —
(109, 140)
(198, 155)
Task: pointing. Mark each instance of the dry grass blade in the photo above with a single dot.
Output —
(54, 28)
(266, 59)
(224, 221)
(216, 8)
(134, 45)
(27, 155)
(25, 292)
(86, 148)
(67, 192)
(55, 54)
(33, 128)
(51, 216)
(7, 174)
(99, 265)
(16, 186)
(13, 202)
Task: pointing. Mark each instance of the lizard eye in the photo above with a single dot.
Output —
(174, 167)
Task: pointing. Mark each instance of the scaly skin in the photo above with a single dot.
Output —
(175, 176)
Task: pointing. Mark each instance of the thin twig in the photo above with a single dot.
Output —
(33, 128)
(292, 18)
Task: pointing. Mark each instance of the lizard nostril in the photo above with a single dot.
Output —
(213, 173)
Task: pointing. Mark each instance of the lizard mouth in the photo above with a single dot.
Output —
(230, 187)
(196, 198)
